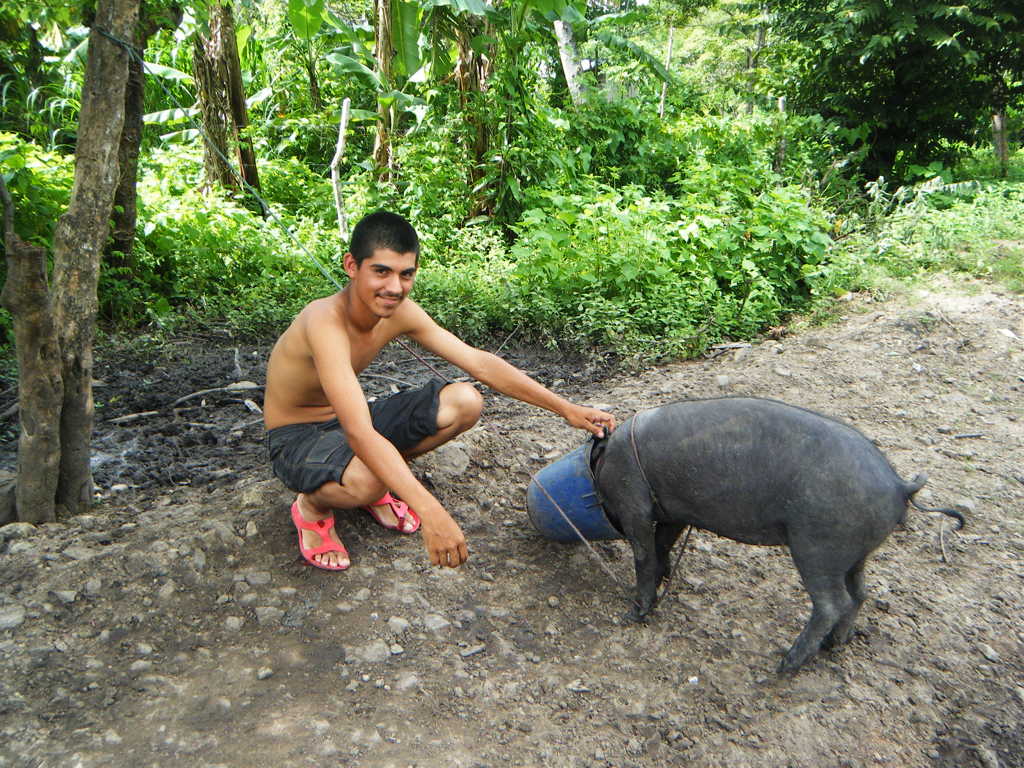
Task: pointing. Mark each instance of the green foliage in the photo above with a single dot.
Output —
(968, 227)
(468, 292)
(525, 148)
(591, 224)
(428, 186)
(628, 271)
(40, 55)
(912, 79)
(620, 142)
(40, 184)
(294, 187)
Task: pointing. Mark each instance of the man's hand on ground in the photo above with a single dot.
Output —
(445, 543)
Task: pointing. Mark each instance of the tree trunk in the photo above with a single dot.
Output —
(314, 82)
(1000, 140)
(753, 59)
(54, 330)
(383, 53)
(26, 296)
(119, 251)
(668, 68)
(211, 75)
(472, 72)
(567, 53)
(236, 97)
(125, 213)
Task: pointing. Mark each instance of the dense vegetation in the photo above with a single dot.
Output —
(600, 218)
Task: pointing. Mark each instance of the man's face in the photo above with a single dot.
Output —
(383, 280)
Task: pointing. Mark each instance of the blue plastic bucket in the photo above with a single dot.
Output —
(567, 486)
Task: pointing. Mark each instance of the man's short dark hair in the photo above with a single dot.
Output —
(383, 229)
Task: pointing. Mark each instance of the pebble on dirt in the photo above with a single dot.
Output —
(435, 622)
(989, 652)
(268, 614)
(11, 617)
(373, 652)
(398, 625)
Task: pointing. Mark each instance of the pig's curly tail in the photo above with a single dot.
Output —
(950, 512)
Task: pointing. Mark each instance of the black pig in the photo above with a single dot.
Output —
(759, 472)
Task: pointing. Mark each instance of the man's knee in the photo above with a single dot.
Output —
(358, 485)
(461, 405)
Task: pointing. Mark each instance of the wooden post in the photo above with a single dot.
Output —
(668, 68)
(339, 153)
(780, 148)
(1000, 140)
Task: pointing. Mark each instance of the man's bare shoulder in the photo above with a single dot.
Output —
(320, 316)
(319, 308)
(312, 321)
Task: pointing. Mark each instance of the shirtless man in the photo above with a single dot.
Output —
(338, 452)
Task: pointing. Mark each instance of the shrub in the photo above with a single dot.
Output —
(658, 275)
(971, 228)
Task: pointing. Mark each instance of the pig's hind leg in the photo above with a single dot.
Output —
(648, 570)
(830, 600)
(855, 588)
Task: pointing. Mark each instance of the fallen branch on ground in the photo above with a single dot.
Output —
(238, 386)
(732, 345)
(130, 417)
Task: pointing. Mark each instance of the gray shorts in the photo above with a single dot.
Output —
(305, 456)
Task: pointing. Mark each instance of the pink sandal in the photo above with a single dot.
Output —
(323, 528)
(401, 510)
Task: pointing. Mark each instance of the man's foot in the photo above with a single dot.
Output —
(318, 541)
(394, 514)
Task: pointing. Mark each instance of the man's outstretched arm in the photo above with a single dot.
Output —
(502, 376)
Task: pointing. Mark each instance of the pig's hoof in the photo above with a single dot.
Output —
(788, 667)
(634, 616)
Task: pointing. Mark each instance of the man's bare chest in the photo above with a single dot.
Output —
(364, 349)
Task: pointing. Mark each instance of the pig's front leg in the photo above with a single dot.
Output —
(627, 499)
(648, 570)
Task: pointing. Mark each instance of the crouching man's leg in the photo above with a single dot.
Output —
(458, 409)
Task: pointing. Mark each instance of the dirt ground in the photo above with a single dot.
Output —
(175, 625)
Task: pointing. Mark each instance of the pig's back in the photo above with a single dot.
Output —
(757, 470)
